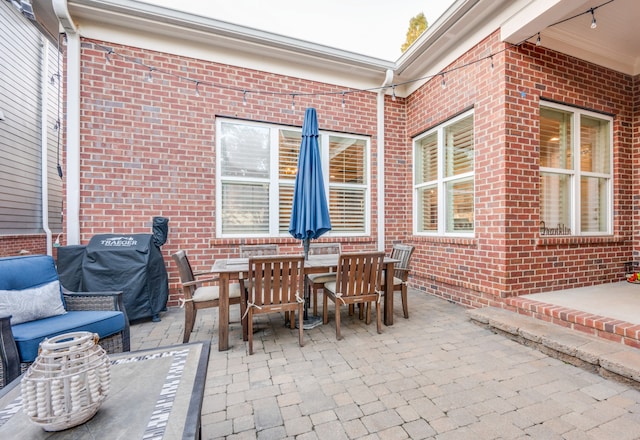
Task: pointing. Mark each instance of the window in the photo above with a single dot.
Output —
(443, 179)
(257, 165)
(576, 162)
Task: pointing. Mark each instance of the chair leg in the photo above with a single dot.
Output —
(378, 317)
(250, 330)
(325, 311)
(367, 306)
(244, 299)
(313, 291)
(338, 337)
(243, 319)
(189, 320)
(300, 324)
(405, 305)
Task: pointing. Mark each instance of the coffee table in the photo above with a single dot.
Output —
(155, 394)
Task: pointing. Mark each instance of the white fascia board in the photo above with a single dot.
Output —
(460, 29)
(300, 67)
(151, 27)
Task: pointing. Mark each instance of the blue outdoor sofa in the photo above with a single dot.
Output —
(34, 306)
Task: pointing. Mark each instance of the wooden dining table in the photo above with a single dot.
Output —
(233, 269)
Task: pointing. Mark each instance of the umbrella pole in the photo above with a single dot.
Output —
(305, 243)
(312, 322)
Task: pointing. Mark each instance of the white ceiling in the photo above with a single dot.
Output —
(614, 43)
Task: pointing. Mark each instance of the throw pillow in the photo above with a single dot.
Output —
(31, 304)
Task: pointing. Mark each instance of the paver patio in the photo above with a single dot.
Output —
(434, 376)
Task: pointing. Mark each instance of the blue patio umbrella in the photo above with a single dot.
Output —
(310, 212)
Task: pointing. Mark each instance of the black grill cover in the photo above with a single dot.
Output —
(160, 230)
(69, 265)
(131, 263)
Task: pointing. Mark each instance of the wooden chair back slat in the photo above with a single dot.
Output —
(402, 253)
(256, 250)
(359, 273)
(324, 248)
(184, 269)
(194, 299)
(358, 281)
(276, 280)
(276, 284)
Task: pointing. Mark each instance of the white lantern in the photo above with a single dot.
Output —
(68, 381)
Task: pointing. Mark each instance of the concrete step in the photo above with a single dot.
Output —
(609, 359)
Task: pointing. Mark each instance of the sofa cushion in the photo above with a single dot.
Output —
(33, 303)
(29, 334)
(27, 271)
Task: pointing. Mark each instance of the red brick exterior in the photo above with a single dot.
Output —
(148, 149)
(634, 157)
(507, 257)
(11, 245)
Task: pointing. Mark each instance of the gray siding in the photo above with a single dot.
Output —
(21, 67)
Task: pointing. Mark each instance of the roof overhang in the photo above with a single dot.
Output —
(614, 43)
(139, 24)
(457, 31)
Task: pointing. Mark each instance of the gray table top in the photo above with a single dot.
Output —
(155, 394)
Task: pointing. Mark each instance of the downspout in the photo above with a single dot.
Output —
(44, 144)
(72, 121)
(381, 140)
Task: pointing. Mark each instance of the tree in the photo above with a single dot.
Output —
(417, 25)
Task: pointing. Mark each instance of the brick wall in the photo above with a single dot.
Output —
(635, 159)
(398, 173)
(148, 147)
(11, 245)
(507, 257)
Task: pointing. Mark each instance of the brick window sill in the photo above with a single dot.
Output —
(562, 241)
(460, 241)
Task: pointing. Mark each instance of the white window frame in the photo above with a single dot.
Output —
(274, 180)
(575, 174)
(441, 181)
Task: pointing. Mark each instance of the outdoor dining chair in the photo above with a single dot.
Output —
(316, 281)
(276, 284)
(358, 281)
(402, 253)
(255, 250)
(200, 293)
(248, 251)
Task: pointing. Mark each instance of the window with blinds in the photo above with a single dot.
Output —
(257, 167)
(444, 178)
(576, 181)
(347, 184)
(245, 178)
(288, 147)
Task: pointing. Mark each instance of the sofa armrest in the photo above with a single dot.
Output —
(99, 301)
(8, 352)
(75, 301)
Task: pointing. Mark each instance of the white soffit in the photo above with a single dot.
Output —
(614, 43)
(151, 27)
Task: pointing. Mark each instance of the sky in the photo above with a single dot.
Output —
(375, 28)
